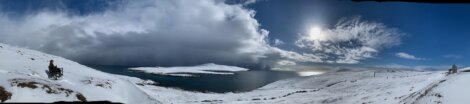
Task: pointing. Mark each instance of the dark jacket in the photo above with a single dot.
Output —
(51, 66)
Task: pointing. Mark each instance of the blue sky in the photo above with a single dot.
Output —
(242, 33)
(437, 32)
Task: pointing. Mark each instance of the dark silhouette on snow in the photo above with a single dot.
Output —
(54, 72)
(453, 70)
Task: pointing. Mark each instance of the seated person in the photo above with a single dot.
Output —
(51, 66)
(54, 71)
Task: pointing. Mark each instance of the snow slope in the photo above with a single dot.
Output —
(209, 68)
(452, 90)
(22, 73)
(350, 87)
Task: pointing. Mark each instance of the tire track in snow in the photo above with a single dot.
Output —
(416, 96)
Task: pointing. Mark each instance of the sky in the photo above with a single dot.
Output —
(258, 34)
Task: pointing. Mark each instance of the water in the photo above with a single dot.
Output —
(238, 82)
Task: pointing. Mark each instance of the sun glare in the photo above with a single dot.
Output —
(316, 33)
(308, 73)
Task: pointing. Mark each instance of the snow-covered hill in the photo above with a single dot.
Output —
(23, 79)
(451, 90)
(358, 87)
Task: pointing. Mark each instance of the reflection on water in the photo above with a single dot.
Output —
(239, 82)
(309, 73)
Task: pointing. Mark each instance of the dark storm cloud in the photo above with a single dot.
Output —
(163, 32)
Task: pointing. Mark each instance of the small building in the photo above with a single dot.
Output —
(453, 69)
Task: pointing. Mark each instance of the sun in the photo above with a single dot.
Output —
(316, 33)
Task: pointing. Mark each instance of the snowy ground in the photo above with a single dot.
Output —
(209, 68)
(388, 87)
(23, 79)
(22, 73)
(452, 90)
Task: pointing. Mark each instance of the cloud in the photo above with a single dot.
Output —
(453, 56)
(278, 42)
(286, 62)
(247, 2)
(180, 32)
(144, 32)
(350, 41)
(408, 56)
(277, 53)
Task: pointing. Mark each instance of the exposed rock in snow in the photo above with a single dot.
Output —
(209, 68)
(4, 95)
